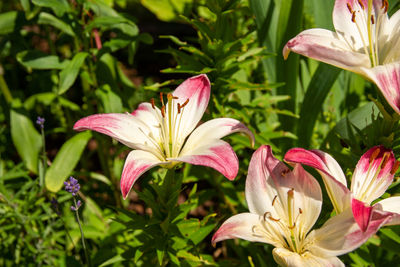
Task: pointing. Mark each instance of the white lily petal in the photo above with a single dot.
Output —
(373, 174)
(244, 226)
(197, 90)
(341, 233)
(326, 46)
(387, 78)
(216, 154)
(333, 177)
(137, 162)
(391, 204)
(123, 127)
(285, 257)
(214, 129)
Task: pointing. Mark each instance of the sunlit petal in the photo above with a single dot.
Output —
(285, 257)
(391, 204)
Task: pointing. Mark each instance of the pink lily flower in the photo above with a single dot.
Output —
(284, 204)
(168, 136)
(373, 175)
(365, 41)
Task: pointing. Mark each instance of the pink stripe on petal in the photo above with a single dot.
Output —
(218, 155)
(198, 86)
(362, 213)
(136, 164)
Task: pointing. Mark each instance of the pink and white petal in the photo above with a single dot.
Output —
(326, 46)
(341, 233)
(149, 116)
(216, 154)
(333, 177)
(285, 257)
(317, 159)
(307, 198)
(260, 188)
(241, 226)
(197, 90)
(343, 20)
(136, 164)
(391, 204)
(121, 126)
(215, 129)
(362, 213)
(373, 174)
(387, 78)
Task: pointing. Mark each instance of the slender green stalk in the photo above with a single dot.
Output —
(82, 236)
(44, 157)
(5, 90)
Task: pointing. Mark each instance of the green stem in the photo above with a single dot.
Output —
(82, 236)
(371, 47)
(5, 90)
(44, 157)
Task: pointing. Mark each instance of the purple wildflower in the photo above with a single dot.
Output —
(72, 186)
(78, 204)
(40, 122)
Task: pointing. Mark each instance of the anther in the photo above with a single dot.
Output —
(361, 4)
(374, 155)
(162, 98)
(372, 19)
(169, 96)
(293, 226)
(395, 167)
(152, 103)
(300, 211)
(273, 201)
(185, 103)
(284, 172)
(385, 159)
(268, 215)
(163, 111)
(349, 8)
(385, 5)
(353, 17)
(179, 108)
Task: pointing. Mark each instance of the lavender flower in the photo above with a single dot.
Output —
(54, 205)
(40, 122)
(78, 204)
(72, 186)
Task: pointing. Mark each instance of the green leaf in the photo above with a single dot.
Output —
(8, 22)
(33, 59)
(110, 101)
(318, 89)
(160, 255)
(391, 234)
(59, 7)
(70, 72)
(66, 160)
(26, 139)
(48, 19)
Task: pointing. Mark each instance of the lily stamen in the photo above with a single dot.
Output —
(395, 167)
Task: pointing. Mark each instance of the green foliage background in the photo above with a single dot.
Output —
(52, 65)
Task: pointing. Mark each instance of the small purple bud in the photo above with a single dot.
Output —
(40, 122)
(78, 204)
(73, 208)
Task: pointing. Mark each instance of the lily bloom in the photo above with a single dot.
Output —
(168, 135)
(284, 204)
(365, 41)
(373, 175)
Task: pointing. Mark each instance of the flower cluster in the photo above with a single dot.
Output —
(40, 121)
(72, 186)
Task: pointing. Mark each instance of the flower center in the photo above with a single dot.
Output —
(170, 120)
(362, 20)
(285, 233)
